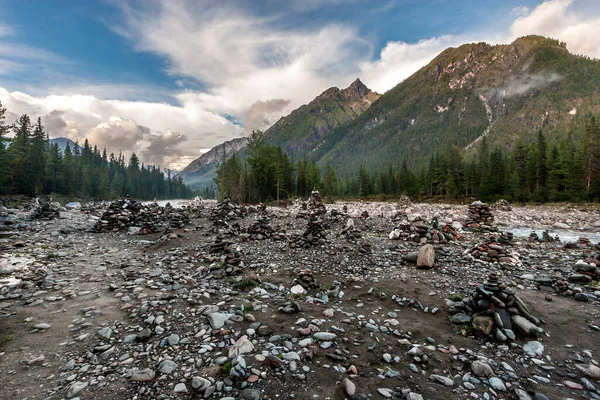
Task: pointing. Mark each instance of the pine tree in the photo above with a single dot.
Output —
(5, 175)
(36, 157)
(18, 152)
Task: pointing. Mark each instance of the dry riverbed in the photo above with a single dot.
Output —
(224, 308)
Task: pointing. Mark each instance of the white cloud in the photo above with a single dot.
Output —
(557, 19)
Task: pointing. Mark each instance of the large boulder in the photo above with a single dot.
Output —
(426, 257)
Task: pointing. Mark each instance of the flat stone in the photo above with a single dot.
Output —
(324, 336)
(589, 370)
(143, 375)
(387, 393)
(533, 349)
(249, 394)
(217, 320)
(426, 257)
(482, 369)
(76, 387)
(461, 318)
(180, 388)
(441, 379)
(497, 384)
(167, 367)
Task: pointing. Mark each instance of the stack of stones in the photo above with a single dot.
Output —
(501, 205)
(232, 257)
(404, 202)
(492, 252)
(495, 312)
(227, 211)
(45, 210)
(262, 229)
(306, 279)
(588, 270)
(350, 232)
(315, 203)
(480, 217)
(123, 214)
(314, 235)
(420, 232)
(546, 238)
(177, 220)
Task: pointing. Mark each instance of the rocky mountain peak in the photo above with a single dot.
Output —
(357, 90)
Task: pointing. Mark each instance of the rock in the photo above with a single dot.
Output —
(524, 325)
(589, 370)
(387, 393)
(180, 388)
(167, 367)
(414, 396)
(76, 387)
(581, 297)
(560, 225)
(441, 379)
(173, 339)
(325, 336)
(348, 387)
(249, 394)
(411, 257)
(426, 257)
(143, 375)
(461, 318)
(298, 289)
(242, 346)
(483, 325)
(217, 320)
(106, 333)
(42, 326)
(199, 383)
(482, 369)
(497, 384)
(533, 349)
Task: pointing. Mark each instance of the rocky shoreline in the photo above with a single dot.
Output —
(313, 301)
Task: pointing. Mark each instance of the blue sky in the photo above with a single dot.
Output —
(168, 79)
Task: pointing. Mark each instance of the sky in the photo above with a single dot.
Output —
(170, 79)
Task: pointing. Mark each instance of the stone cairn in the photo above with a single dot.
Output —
(501, 205)
(491, 251)
(350, 232)
(421, 232)
(44, 210)
(495, 312)
(480, 217)
(314, 235)
(123, 214)
(315, 203)
(545, 238)
(262, 229)
(227, 211)
(232, 257)
(306, 279)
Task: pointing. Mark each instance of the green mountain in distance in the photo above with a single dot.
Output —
(501, 92)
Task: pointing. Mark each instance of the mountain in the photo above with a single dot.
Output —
(295, 133)
(62, 143)
(502, 92)
(505, 93)
(298, 132)
(201, 171)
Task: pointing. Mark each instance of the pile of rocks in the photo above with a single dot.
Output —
(314, 235)
(492, 251)
(124, 214)
(227, 211)
(480, 217)
(495, 312)
(306, 279)
(501, 205)
(177, 220)
(232, 258)
(421, 232)
(350, 232)
(546, 238)
(315, 203)
(45, 210)
(262, 229)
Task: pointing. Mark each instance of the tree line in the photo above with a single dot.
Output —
(536, 171)
(30, 165)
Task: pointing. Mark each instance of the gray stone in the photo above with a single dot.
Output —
(497, 384)
(143, 375)
(426, 257)
(167, 367)
(589, 370)
(461, 318)
(76, 387)
(180, 388)
(106, 332)
(324, 336)
(482, 369)
(249, 394)
(441, 379)
(533, 348)
(217, 320)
